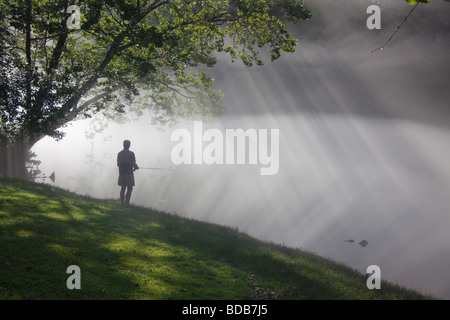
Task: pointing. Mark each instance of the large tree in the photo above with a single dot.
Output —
(58, 63)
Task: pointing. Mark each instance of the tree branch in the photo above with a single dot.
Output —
(396, 30)
(98, 97)
(28, 54)
(70, 109)
(75, 112)
(112, 51)
(57, 51)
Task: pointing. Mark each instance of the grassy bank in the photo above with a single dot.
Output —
(139, 253)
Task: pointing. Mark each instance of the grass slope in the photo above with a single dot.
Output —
(138, 253)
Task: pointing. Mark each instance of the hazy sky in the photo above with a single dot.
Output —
(364, 146)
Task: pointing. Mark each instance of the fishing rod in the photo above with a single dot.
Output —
(148, 168)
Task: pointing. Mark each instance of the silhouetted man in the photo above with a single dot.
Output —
(126, 161)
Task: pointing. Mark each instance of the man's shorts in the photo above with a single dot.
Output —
(126, 180)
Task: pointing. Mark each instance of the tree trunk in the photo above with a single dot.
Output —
(13, 158)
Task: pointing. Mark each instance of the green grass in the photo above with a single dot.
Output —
(139, 253)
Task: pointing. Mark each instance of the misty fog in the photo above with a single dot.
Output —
(364, 146)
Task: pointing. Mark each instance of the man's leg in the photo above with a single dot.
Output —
(122, 193)
(129, 191)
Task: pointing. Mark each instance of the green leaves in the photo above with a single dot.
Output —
(416, 1)
(124, 51)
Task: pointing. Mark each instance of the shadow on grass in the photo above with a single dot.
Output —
(138, 253)
(44, 230)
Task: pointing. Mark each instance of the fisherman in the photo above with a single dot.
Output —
(126, 161)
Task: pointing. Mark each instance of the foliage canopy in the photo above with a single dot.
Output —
(145, 52)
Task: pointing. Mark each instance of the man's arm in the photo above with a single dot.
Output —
(135, 166)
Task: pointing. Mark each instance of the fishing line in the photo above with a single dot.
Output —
(157, 169)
